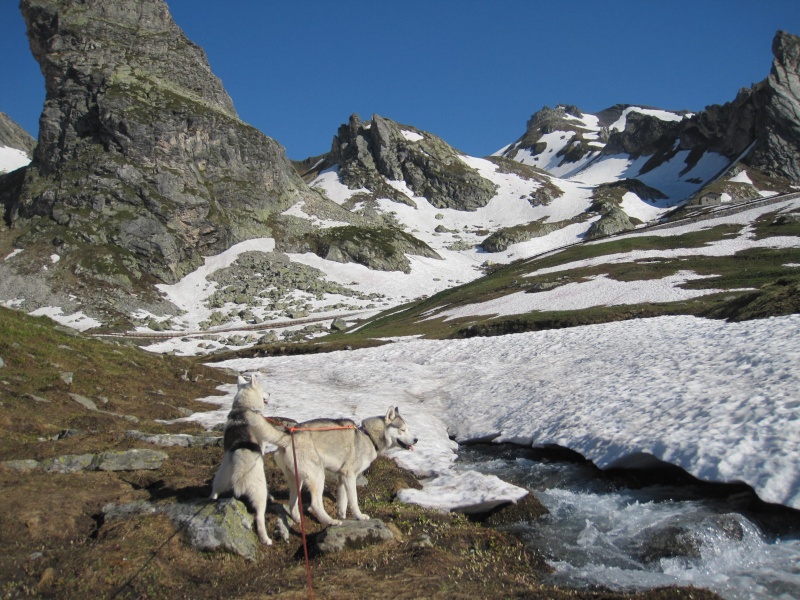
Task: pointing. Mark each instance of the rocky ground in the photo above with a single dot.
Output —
(104, 498)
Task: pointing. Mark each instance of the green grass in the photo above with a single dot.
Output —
(737, 276)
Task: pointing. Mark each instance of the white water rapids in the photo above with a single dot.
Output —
(600, 537)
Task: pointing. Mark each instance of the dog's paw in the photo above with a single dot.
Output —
(362, 517)
(335, 522)
(267, 541)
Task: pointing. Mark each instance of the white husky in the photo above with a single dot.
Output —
(242, 468)
(341, 447)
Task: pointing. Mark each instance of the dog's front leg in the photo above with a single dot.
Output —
(341, 498)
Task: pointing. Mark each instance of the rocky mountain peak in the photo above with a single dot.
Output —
(140, 149)
(777, 145)
(369, 153)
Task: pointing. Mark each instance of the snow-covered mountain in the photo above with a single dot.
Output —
(207, 241)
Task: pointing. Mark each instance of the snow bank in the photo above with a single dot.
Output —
(717, 399)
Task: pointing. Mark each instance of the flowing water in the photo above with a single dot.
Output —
(602, 533)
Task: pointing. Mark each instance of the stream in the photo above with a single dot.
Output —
(631, 530)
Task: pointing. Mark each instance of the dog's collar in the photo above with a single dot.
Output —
(363, 430)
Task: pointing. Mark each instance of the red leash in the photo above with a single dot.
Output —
(302, 518)
(291, 431)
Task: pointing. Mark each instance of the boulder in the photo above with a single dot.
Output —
(352, 535)
(210, 526)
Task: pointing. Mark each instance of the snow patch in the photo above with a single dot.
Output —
(12, 159)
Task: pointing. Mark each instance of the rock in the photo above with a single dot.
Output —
(223, 525)
(777, 149)
(175, 439)
(370, 152)
(338, 325)
(112, 512)
(2, 362)
(37, 398)
(83, 400)
(613, 221)
(129, 460)
(66, 377)
(422, 541)
(382, 249)
(268, 337)
(500, 240)
(217, 525)
(14, 136)
(352, 535)
(69, 463)
(21, 465)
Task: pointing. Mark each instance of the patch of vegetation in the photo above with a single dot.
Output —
(747, 270)
(613, 193)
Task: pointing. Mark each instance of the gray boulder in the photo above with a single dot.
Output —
(613, 220)
(353, 535)
(212, 526)
(209, 526)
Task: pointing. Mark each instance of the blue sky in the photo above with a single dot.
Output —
(470, 71)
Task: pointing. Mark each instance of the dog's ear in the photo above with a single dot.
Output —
(253, 379)
(241, 381)
(390, 414)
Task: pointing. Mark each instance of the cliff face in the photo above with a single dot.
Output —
(777, 147)
(139, 144)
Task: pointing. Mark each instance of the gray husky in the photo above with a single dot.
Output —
(242, 468)
(343, 448)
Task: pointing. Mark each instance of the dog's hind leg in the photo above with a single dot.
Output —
(222, 480)
(260, 507)
(316, 483)
(256, 492)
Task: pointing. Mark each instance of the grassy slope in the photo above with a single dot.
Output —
(773, 286)
(58, 515)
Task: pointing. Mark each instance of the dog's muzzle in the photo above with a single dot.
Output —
(407, 446)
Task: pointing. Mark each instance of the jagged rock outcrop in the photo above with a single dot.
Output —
(14, 136)
(500, 240)
(777, 148)
(563, 118)
(762, 123)
(140, 148)
(382, 249)
(761, 126)
(370, 152)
